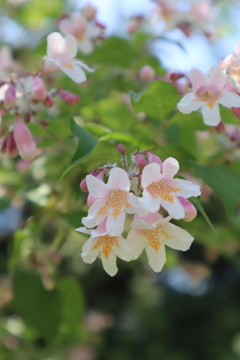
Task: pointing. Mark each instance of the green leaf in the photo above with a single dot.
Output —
(193, 121)
(199, 207)
(73, 306)
(116, 52)
(39, 308)
(16, 248)
(227, 116)
(86, 142)
(157, 101)
(5, 202)
(225, 182)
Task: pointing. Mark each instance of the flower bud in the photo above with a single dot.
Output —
(147, 73)
(44, 123)
(221, 128)
(176, 76)
(69, 98)
(133, 26)
(24, 140)
(83, 185)
(121, 149)
(11, 148)
(189, 208)
(10, 96)
(48, 102)
(89, 12)
(152, 158)
(140, 161)
(38, 89)
(27, 117)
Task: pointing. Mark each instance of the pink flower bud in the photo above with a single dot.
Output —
(44, 123)
(38, 89)
(147, 73)
(24, 140)
(236, 112)
(221, 128)
(152, 158)
(69, 98)
(189, 208)
(176, 76)
(133, 26)
(121, 149)
(48, 102)
(89, 12)
(83, 185)
(27, 117)
(140, 161)
(10, 96)
(11, 148)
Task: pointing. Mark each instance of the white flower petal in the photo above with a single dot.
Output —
(115, 227)
(136, 242)
(55, 45)
(118, 179)
(211, 116)
(229, 99)
(74, 71)
(134, 201)
(187, 188)
(180, 238)
(71, 46)
(156, 259)
(170, 167)
(197, 79)
(93, 218)
(152, 205)
(89, 255)
(85, 45)
(123, 251)
(96, 187)
(189, 103)
(151, 173)
(109, 264)
(175, 210)
(83, 230)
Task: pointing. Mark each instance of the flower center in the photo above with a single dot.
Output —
(107, 242)
(162, 189)
(153, 236)
(209, 94)
(117, 199)
(69, 66)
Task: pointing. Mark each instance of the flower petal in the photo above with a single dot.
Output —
(118, 179)
(55, 44)
(211, 116)
(109, 264)
(115, 227)
(124, 251)
(170, 167)
(136, 243)
(89, 255)
(74, 71)
(229, 99)
(136, 204)
(83, 230)
(156, 259)
(187, 188)
(85, 45)
(152, 205)
(189, 103)
(93, 218)
(71, 47)
(151, 173)
(197, 79)
(216, 77)
(175, 210)
(180, 239)
(96, 187)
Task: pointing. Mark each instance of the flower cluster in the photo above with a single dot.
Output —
(141, 189)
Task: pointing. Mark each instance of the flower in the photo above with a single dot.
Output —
(161, 189)
(108, 246)
(208, 92)
(24, 141)
(153, 232)
(113, 200)
(83, 30)
(60, 55)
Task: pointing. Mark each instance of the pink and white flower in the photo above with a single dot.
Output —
(208, 92)
(160, 189)
(108, 246)
(113, 201)
(60, 56)
(83, 30)
(153, 232)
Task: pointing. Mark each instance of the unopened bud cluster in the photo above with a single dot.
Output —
(144, 187)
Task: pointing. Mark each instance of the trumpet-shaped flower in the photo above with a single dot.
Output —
(113, 200)
(160, 189)
(108, 246)
(153, 232)
(84, 31)
(208, 92)
(60, 55)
